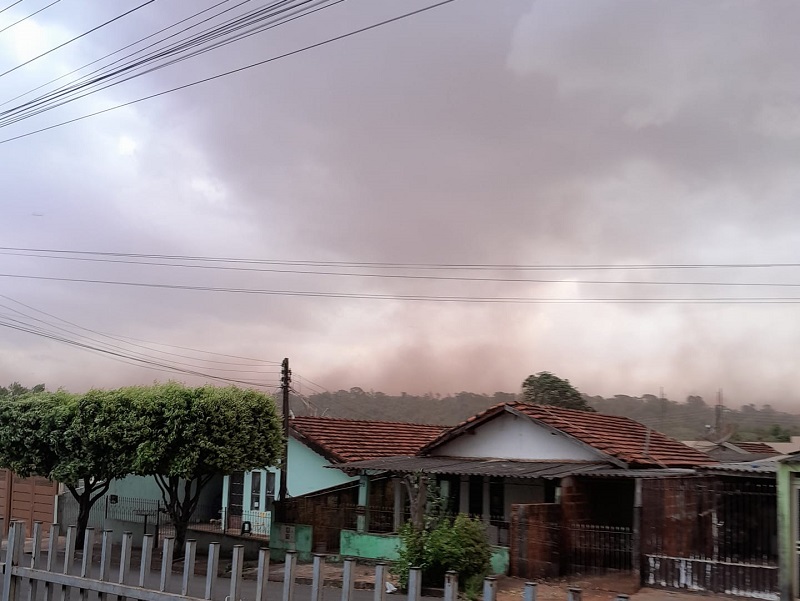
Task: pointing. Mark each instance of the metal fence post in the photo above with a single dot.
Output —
(36, 560)
(574, 594)
(317, 577)
(263, 574)
(289, 564)
(86, 563)
(105, 559)
(213, 568)
(236, 573)
(16, 532)
(414, 584)
(347, 579)
(380, 582)
(166, 563)
(530, 592)
(147, 556)
(188, 566)
(489, 588)
(450, 586)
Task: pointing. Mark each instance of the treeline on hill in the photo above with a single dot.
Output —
(687, 420)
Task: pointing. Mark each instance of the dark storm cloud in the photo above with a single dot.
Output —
(512, 132)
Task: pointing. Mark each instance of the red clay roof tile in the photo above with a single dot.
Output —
(619, 437)
(345, 440)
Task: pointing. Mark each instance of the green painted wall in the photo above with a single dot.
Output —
(499, 560)
(787, 473)
(307, 473)
(387, 547)
(300, 540)
(369, 546)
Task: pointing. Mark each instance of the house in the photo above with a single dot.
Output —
(585, 469)
(27, 499)
(733, 452)
(314, 444)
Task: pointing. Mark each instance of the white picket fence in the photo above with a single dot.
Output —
(45, 578)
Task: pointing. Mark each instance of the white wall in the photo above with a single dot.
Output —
(513, 437)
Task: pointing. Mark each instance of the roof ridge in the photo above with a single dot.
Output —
(367, 421)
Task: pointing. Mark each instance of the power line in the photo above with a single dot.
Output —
(13, 4)
(429, 298)
(93, 29)
(71, 92)
(408, 276)
(124, 338)
(130, 354)
(113, 354)
(29, 16)
(403, 265)
(237, 70)
(112, 53)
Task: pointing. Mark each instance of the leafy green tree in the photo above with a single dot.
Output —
(76, 440)
(545, 388)
(186, 436)
(15, 391)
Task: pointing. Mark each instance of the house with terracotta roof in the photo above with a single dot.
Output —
(585, 467)
(316, 443)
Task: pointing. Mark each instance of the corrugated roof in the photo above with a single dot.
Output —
(460, 466)
(765, 467)
(345, 440)
(618, 437)
(760, 448)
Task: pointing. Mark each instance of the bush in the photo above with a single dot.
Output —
(460, 545)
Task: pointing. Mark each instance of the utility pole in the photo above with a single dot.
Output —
(286, 380)
(720, 407)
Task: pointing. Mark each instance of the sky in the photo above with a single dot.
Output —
(571, 150)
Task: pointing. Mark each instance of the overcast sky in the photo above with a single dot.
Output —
(585, 132)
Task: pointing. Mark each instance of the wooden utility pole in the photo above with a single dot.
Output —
(286, 380)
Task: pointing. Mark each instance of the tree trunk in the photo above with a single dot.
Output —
(84, 511)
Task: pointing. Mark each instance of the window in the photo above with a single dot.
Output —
(255, 491)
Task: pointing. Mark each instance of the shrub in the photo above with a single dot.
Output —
(459, 545)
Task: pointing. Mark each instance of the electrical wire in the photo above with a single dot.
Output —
(145, 363)
(131, 354)
(77, 37)
(71, 92)
(110, 54)
(13, 4)
(428, 298)
(123, 338)
(412, 276)
(398, 265)
(236, 70)
(29, 16)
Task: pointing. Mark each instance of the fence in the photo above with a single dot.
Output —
(149, 516)
(597, 549)
(716, 535)
(44, 577)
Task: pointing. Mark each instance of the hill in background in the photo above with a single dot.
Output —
(688, 420)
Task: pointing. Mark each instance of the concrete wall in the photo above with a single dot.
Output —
(499, 561)
(513, 437)
(290, 537)
(369, 546)
(387, 547)
(787, 478)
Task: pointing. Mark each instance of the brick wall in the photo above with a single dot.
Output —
(535, 540)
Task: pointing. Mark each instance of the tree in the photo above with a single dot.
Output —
(16, 391)
(186, 436)
(76, 440)
(545, 388)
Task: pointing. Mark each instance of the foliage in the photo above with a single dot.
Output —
(16, 391)
(185, 436)
(76, 440)
(459, 545)
(545, 388)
